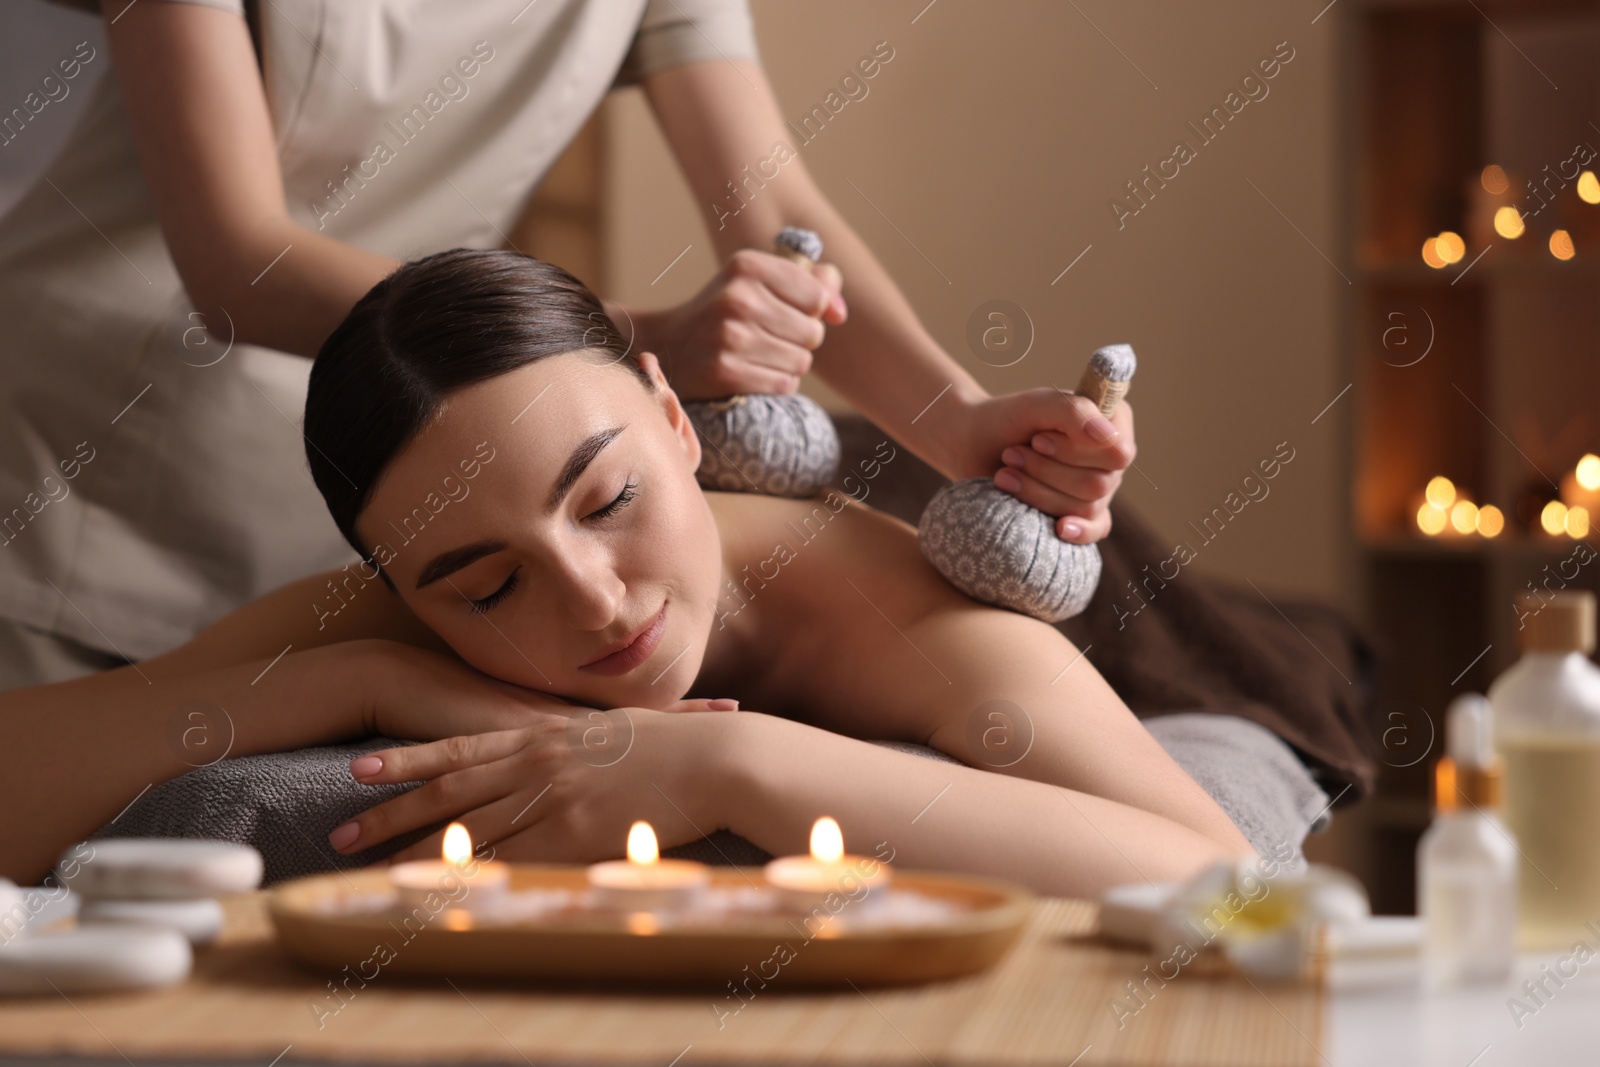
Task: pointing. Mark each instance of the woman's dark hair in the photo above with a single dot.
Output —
(433, 327)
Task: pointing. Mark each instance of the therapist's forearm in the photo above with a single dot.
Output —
(77, 753)
(882, 358)
(282, 286)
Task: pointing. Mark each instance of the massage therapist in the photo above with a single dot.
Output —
(247, 171)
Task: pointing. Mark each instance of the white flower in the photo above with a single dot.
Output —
(1267, 927)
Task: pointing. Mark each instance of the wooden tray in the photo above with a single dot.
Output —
(618, 947)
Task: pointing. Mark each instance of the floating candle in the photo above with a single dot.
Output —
(803, 882)
(644, 881)
(459, 878)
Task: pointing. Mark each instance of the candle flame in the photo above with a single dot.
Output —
(827, 842)
(457, 845)
(642, 847)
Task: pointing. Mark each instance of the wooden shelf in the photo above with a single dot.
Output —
(1504, 546)
(1488, 269)
(1494, 383)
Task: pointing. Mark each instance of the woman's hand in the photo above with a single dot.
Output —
(1056, 452)
(418, 695)
(561, 788)
(752, 329)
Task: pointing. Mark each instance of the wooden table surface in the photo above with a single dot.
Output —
(1048, 1002)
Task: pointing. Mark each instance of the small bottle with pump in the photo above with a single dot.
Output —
(1547, 727)
(1467, 861)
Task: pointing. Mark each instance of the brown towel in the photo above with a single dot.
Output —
(1198, 642)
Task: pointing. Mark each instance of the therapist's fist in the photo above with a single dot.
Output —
(752, 329)
(1054, 451)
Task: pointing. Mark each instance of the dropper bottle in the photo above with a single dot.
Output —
(1467, 861)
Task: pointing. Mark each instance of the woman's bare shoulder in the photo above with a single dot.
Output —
(830, 543)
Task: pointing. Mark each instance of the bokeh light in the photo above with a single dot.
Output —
(1450, 246)
(1577, 522)
(1508, 223)
(1432, 520)
(1588, 471)
(1589, 187)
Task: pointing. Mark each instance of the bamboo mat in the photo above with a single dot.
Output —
(1047, 1002)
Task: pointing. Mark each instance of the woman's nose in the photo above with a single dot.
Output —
(588, 589)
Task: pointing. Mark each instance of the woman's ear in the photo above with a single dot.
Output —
(677, 418)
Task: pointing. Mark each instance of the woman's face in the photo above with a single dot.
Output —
(547, 525)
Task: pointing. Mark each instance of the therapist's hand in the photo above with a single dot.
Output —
(752, 329)
(1054, 451)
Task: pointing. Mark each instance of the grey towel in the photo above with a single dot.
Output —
(1252, 774)
(286, 803)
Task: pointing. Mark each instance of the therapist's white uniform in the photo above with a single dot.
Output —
(403, 127)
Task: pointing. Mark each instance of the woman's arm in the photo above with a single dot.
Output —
(194, 99)
(722, 122)
(79, 752)
(533, 795)
(939, 816)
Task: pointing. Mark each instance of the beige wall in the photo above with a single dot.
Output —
(995, 138)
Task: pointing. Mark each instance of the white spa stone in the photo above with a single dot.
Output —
(1133, 912)
(198, 920)
(94, 959)
(156, 868)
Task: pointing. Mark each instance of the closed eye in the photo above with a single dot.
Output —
(623, 499)
(480, 607)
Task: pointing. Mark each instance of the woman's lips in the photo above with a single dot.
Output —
(634, 652)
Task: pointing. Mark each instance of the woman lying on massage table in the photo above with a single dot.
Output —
(478, 428)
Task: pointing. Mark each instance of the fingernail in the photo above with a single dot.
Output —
(365, 767)
(1071, 531)
(1044, 444)
(1012, 457)
(723, 704)
(1100, 429)
(1008, 481)
(345, 836)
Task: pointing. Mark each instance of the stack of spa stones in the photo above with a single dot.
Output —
(143, 903)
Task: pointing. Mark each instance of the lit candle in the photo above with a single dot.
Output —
(803, 882)
(644, 881)
(458, 878)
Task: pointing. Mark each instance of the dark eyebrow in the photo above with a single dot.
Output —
(447, 563)
(578, 462)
